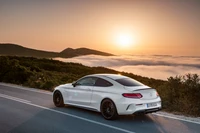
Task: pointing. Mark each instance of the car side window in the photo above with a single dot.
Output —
(88, 81)
(102, 83)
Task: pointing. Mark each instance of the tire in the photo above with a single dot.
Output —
(108, 109)
(58, 99)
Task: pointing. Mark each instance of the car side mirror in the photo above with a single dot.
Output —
(74, 83)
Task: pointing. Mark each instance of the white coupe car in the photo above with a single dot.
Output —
(110, 94)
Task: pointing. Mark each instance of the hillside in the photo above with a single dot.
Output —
(179, 94)
(35, 72)
(17, 50)
(81, 51)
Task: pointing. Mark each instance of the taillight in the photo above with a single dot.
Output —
(132, 95)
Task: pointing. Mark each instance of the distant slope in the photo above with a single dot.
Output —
(81, 51)
(13, 49)
(17, 50)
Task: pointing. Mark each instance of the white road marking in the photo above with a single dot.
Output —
(14, 98)
(63, 113)
(175, 118)
(27, 89)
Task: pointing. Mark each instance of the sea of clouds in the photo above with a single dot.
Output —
(155, 66)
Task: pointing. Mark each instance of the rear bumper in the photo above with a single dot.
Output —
(131, 107)
(146, 111)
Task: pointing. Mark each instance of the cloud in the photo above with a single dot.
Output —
(155, 66)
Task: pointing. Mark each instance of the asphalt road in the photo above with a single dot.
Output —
(25, 110)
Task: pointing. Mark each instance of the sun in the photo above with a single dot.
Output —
(124, 40)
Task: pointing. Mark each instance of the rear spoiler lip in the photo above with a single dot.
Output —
(136, 88)
(145, 89)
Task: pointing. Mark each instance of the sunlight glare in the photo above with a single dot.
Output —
(124, 40)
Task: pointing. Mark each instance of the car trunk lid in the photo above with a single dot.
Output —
(146, 92)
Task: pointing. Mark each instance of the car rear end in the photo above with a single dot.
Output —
(139, 99)
(133, 96)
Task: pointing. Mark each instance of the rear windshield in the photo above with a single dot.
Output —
(129, 82)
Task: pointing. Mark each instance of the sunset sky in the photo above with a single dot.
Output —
(169, 27)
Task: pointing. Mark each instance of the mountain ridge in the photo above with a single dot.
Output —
(18, 50)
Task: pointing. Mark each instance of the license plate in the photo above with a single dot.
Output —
(151, 105)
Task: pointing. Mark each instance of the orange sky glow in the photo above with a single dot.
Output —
(116, 26)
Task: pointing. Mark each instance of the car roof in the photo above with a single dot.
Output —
(111, 76)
